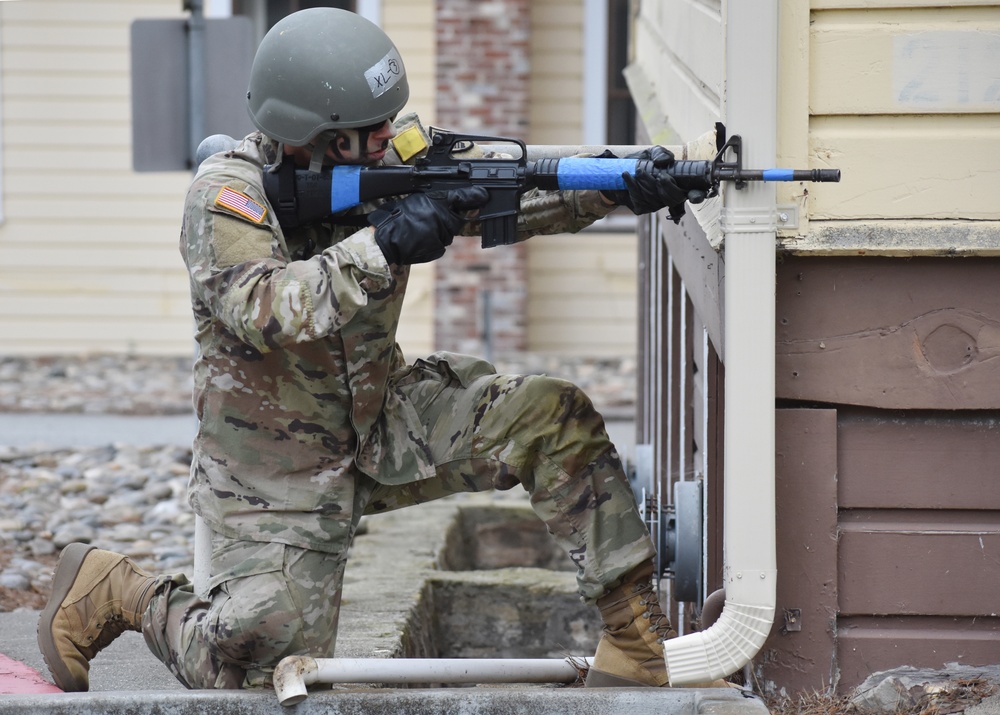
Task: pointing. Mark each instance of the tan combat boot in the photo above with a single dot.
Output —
(630, 652)
(96, 596)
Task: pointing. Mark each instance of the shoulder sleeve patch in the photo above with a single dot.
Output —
(235, 242)
(241, 204)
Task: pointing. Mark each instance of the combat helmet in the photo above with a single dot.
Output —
(323, 69)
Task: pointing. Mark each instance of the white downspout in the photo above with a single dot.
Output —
(749, 222)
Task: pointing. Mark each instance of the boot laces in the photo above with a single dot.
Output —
(659, 623)
(109, 629)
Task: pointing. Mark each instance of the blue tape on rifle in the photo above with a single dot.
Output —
(345, 188)
(778, 175)
(581, 173)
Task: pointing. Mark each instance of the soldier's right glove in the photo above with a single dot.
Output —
(420, 227)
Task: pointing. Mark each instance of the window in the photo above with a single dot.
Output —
(609, 114)
(621, 109)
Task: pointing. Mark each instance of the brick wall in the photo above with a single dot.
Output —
(482, 88)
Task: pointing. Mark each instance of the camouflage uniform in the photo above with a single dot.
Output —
(310, 418)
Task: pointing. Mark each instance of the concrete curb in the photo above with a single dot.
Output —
(467, 701)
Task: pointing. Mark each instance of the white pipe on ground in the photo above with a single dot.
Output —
(296, 672)
(749, 222)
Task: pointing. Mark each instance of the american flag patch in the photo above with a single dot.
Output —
(241, 204)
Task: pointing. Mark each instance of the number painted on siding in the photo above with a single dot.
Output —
(947, 69)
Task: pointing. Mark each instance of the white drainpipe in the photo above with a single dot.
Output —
(295, 672)
(749, 221)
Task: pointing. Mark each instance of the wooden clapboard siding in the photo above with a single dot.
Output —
(886, 369)
(88, 248)
(933, 68)
(883, 178)
(919, 546)
(918, 334)
(934, 461)
(866, 645)
(904, 4)
(799, 653)
(410, 24)
(677, 80)
(581, 288)
(556, 83)
(904, 98)
(84, 231)
(912, 343)
(911, 567)
(582, 294)
(888, 544)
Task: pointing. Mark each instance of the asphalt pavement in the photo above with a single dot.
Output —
(89, 430)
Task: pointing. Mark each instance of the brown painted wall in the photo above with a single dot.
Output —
(922, 333)
(889, 489)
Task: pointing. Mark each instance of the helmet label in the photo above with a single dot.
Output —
(385, 73)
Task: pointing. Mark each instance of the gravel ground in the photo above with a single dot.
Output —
(130, 498)
(142, 385)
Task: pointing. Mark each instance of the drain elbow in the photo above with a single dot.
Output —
(291, 677)
(724, 648)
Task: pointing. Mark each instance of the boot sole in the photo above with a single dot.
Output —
(70, 561)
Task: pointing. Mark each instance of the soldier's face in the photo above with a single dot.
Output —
(364, 145)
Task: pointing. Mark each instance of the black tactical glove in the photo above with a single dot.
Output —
(651, 191)
(418, 228)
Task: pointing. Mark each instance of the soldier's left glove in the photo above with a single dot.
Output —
(649, 191)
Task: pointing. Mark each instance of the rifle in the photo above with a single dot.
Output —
(299, 196)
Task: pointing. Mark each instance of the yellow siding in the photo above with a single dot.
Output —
(913, 62)
(902, 95)
(883, 4)
(557, 81)
(581, 289)
(679, 51)
(582, 294)
(88, 248)
(410, 24)
(898, 167)
(905, 99)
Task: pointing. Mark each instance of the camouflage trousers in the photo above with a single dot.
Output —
(270, 600)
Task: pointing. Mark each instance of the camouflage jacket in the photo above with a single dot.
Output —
(297, 356)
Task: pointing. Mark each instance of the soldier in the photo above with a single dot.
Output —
(309, 417)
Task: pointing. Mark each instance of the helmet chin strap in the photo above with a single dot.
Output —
(320, 144)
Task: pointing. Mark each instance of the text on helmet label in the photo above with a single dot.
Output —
(385, 73)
